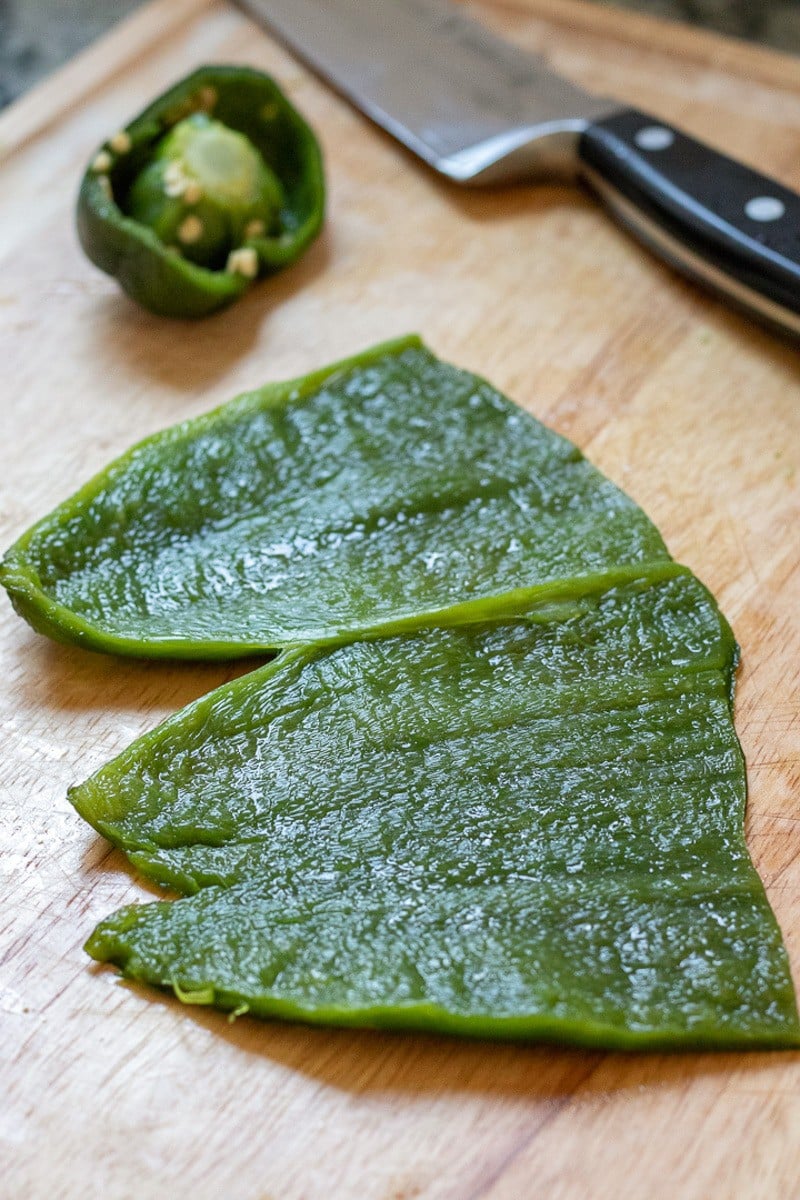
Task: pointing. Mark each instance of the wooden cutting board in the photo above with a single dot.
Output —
(111, 1091)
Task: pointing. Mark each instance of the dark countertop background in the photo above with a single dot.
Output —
(36, 36)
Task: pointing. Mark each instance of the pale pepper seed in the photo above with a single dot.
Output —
(190, 230)
(120, 143)
(243, 262)
(192, 193)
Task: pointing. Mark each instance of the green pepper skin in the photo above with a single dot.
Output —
(149, 271)
(497, 790)
(362, 497)
(530, 827)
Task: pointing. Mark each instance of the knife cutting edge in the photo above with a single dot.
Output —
(479, 110)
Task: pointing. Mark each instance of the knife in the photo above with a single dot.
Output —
(479, 110)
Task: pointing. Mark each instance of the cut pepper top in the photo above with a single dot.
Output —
(217, 182)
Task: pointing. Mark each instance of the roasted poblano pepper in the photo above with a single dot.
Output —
(217, 182)
(491, 786)
(365, 496)
(526, 827)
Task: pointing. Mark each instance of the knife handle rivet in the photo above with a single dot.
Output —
(654, 137)
(764, 208)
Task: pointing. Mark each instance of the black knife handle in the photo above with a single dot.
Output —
(713, 218)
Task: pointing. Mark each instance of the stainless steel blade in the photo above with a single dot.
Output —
(475, 108)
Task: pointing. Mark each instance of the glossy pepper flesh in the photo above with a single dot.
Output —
(366, 496)
(492, 784)
(525, 827)
(217, 182)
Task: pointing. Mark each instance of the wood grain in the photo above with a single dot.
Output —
(114, 1092)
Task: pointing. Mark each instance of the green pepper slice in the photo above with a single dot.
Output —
(366, 495)
(497, 791)
(527, 827)
(217, 182)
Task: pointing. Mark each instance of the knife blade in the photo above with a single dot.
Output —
(480, 110)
